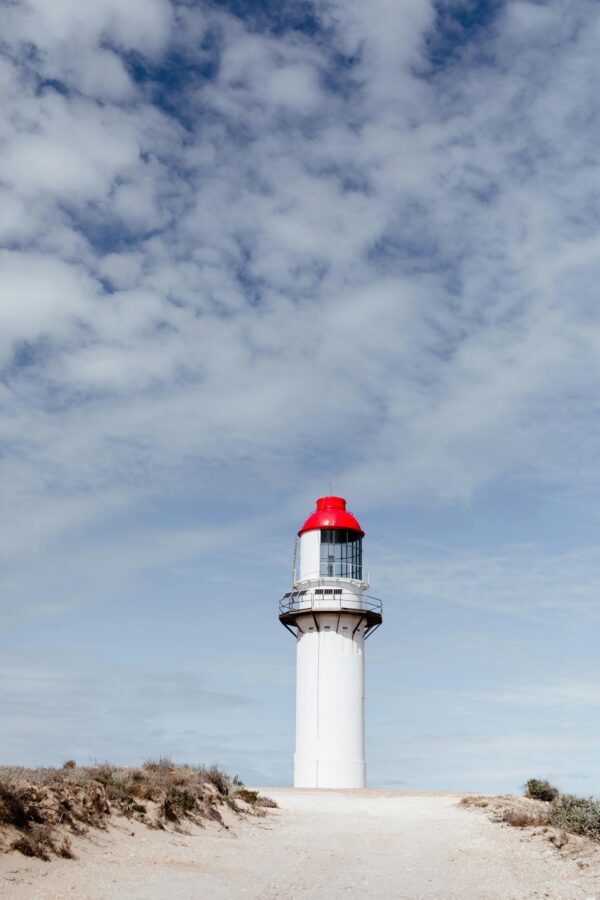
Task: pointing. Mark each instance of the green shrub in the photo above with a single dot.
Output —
(537, 789)
(180, 802)
(247, 796)
(577, 815)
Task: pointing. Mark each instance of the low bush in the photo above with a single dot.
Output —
(247, 796)
(42, 842)
(544, 806)
(253, 798)
(577, 815)
(566, 812)
(521, 818)
(176, 805)
(537, 789)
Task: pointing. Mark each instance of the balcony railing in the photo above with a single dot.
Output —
(331, 599)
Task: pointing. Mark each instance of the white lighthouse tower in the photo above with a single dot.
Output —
(330, 615)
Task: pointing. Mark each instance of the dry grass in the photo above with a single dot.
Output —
(41, 841)
(267, 802)
(253, 798)
(520, 812)
(481, 802)
(521, 818)
(39, 808)
(560, 815)
(247, 796)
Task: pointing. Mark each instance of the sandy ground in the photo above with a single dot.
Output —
(379, 844)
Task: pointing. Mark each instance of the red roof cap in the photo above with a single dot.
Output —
(331, 512)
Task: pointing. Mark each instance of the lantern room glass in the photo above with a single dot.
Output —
(341, 553)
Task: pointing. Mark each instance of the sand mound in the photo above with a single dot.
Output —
(41, 808)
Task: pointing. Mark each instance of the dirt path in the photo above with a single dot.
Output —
(370, 844)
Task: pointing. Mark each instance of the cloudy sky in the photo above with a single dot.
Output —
(252, 249)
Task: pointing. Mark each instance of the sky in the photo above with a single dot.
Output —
(254, 252)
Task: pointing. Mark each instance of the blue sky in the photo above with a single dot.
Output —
(249, 249)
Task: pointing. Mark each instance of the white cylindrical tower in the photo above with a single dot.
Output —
(330, 615)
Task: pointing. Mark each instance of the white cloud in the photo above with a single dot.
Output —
(46, 703)
(294, 87)
(264, 265)
(397, 274)
(140, 24)
(521, 581)
(71, 149)
(44, 297)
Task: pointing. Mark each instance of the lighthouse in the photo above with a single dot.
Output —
(330, 615)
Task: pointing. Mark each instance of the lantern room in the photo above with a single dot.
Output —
(331, 542)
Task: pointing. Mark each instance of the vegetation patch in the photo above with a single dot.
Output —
(544, 806)
(481, 802)
(522, 818)
(42, 842)
(536, 789)
(267, 802)
(247, 796)
(41, 808)
(577, 815)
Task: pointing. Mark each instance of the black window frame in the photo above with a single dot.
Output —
(340, 554)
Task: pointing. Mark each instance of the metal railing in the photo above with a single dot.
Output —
(334, 599)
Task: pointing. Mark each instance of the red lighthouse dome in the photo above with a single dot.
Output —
(331, 512)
